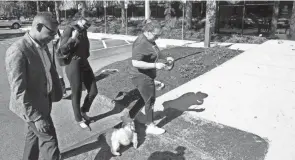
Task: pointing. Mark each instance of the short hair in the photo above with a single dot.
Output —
(151, 25)
(42, 17)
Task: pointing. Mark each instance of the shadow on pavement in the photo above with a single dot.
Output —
(179, 155)
(123, 100)
(175, 108)
(133, 101)
(104, 152)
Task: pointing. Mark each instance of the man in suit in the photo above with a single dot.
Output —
(34, 86)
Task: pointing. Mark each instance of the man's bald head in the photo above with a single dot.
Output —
(44, 27)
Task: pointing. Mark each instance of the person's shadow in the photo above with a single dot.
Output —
(175, 108)
(179, 155)
(123, 100)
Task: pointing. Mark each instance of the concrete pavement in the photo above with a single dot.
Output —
(253, 92)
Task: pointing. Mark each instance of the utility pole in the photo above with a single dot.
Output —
(147, 9)
(210, 24)
(105, 16)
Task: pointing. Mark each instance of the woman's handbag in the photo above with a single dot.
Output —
(63, 58)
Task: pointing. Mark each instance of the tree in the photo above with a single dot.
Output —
(188, 14)
(38, 7)
(82, 8)
(168, 10)
(57, 11)
(292, 23)
(123, 14)
(147, 9)
(210, 21)
(275, 15)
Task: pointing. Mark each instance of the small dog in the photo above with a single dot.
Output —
(122, 136)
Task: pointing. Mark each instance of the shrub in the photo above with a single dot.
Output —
(172, 30)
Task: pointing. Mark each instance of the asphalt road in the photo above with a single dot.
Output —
(12, 127)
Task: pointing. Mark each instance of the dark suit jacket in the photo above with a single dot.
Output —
(79, 47)
(26, 75)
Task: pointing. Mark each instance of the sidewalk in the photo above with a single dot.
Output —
(253, 92)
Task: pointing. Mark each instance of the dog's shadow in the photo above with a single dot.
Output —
(175, 108)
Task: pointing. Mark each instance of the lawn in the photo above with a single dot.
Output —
(195, 62)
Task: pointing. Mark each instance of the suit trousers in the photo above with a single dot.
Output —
(79, 71)
(38, 141)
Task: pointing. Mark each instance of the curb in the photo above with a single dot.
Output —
(11, 35)
(164, 43)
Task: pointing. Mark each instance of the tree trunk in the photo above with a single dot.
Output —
(83, 8)
(168, 10)
(123, 14)
(210, 21)
(38, 7)
(57, 11)
(147, 9)
(188, 14)
(292, 23)
(275, 15)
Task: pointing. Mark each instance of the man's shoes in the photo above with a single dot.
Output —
(153, 129)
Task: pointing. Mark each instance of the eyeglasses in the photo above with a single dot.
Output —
(52, 32)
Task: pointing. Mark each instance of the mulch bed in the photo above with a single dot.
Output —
(196, 62)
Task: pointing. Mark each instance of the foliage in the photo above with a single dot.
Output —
(169, 11)
(240, 39)
(172, 30)
(292, 23)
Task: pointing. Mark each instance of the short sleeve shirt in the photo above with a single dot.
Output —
(147, 51)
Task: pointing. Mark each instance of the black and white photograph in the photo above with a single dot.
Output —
(147, 80)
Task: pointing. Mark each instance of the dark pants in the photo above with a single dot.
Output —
(146, 87)
(63, 85)
(79, 71)
(38, 141)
